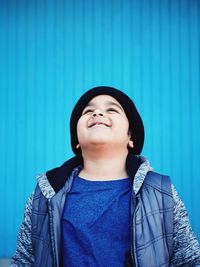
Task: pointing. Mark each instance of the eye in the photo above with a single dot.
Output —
(112, 110)
(87, 111)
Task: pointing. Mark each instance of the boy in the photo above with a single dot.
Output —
(105, 206)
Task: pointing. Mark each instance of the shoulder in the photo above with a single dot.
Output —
(159, 182)
(44, 187)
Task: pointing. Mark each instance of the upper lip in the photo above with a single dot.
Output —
(98, 123)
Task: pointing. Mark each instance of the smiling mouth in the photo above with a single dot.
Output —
(99, 123)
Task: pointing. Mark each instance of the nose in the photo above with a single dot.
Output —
(97, 113)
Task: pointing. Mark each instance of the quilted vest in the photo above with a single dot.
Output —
(152, 225)
(153, 222)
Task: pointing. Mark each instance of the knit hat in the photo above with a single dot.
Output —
(135, 122)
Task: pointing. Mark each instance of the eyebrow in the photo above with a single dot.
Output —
(91, 104)
(114, 104)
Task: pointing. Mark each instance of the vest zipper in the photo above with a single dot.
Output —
(133, 254)
(52, 233)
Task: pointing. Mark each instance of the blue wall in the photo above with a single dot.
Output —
(52, 51)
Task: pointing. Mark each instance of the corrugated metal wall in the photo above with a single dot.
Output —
(52, 51)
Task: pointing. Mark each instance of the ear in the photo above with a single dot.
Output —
(130, 144)
(77, 146)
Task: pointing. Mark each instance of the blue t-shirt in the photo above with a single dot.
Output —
(96, 223)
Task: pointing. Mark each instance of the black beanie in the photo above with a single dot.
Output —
(135, 122)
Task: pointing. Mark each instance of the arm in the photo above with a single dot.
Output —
(186, 247)
(24, 252)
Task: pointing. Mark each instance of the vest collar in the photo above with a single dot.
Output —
(137, 168)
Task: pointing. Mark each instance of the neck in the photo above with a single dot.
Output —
(104, 165)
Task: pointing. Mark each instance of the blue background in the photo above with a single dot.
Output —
(53, 51)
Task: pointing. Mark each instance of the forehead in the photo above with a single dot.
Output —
(105, 100)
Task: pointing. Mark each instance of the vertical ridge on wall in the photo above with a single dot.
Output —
(53, 51)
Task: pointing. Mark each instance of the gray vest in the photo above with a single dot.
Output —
(152, 225)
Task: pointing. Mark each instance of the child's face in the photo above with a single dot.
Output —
(103, 121)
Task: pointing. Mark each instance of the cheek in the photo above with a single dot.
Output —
(125, 133)
(123, 126)
(78, 124)
(81, 128)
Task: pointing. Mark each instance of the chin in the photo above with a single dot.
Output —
(99, 141)
(99, 137)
